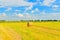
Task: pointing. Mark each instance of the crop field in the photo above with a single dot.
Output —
(36, 31)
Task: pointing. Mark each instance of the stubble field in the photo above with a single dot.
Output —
(36, 31)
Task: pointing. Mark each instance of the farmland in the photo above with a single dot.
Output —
(36, 31)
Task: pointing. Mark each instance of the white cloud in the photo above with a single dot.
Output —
(1, 6)
(3, 15)
(56, 14)
(55, 7)
(17, 15)
(43, 12)
(8, 9)
(42, 16)
(48, 2)
(32, 11)
(17, 10)
(27, 15)
(30, 7)
(20, 15)
(36, 10)
(50, 16)
(14, 3)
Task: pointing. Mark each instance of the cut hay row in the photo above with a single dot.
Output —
(10, 33)
(36, 31)
(47, 30)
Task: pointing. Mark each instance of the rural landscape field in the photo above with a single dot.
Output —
(36, 31)
(29, 19)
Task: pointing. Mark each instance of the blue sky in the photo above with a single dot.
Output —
(29, 9)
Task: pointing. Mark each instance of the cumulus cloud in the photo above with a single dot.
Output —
(55, 7)
(14, 3)
(32, 11)
(29, 7)
(3, 15)
(48, 2)
(19, 15)
(36, 10)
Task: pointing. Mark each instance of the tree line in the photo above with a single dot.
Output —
(40, 20)
(30, 21)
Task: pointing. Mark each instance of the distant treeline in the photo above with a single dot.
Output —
(39, 20)
(30, 21)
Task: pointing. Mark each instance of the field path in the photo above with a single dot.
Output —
(10, 33)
